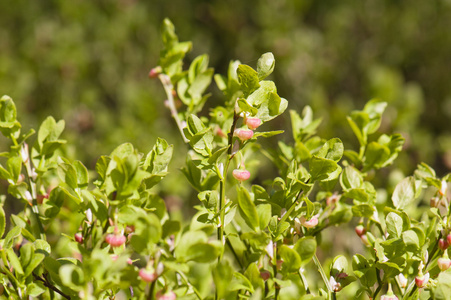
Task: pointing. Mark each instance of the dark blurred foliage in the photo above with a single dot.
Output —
(87, 62)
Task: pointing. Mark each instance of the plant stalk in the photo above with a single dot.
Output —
(168, 88)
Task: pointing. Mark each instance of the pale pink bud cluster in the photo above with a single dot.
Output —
(421, 280)
(336, 286)
(148, 275)
(169, 295)
(155, 72)
(241, 175)
(253, 123)
(443, 244)
(78, 237)
(265, 275)
(444, 263)
(244, 134)
(402, 280)
(360, 230)
(443, 188)
(309, 223)
(115, 239)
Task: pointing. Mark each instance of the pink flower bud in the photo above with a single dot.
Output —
(444, 263)
(115, 240)
(24, 153)
(443, 244)
(155, 72)
(336, 286)
(402, 280)
(241, 175)
(265, 275)
(169, 295)
(78, 238)
(422, 280)
(310, 223)
(443, 188)
(147, 275)
(332, 200)
(448, 238)
(244, 134)
(364, 240)
(40, 198)
(360, 230)
(253, 123)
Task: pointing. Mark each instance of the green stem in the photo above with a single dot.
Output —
(221, 226)
(234, 253)
(151, 290)
(292, 207)
(323, 274)
(274, 268)
(168, 88)
(379, 281)
(304, 280)
(190, 285)
(34, 204)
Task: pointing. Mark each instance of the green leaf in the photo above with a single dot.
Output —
(42, 246)
(442, 289)
(72, 276)
(357, 129)
(253, 274)
(15, 167)
(265, 65)
(269, 104)
(14, 261)
(394, 225)
(411, 240)
(168, 33)
(248, 78)
(364, 270)
(363, 210)
(376, 156)
(34, 263)
(248, 209)
(82, 174)
(264, 214)
(404, 193)
(321, 168)
(291, 259)
(332, 149)
(10, 236)
(203, 252)
(267, 134)
(240, 282)
(306, 248)
(2, 221)
(35, 289)
(188, 239)
(339, 265)
(8, 123)
(245, 107)
(374, 108)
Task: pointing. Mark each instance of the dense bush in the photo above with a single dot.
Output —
(85, 62)
(107, 233)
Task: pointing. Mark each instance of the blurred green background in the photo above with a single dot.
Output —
(87, 62)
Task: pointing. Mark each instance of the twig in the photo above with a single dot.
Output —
(168, 88)
(50, 286)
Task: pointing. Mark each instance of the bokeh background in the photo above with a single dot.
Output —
(87, 62)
